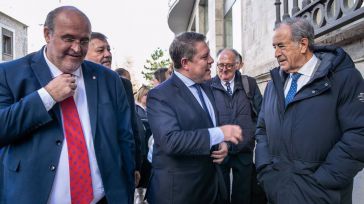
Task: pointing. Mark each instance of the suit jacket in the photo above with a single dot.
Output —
(183, 171)
(32, 137)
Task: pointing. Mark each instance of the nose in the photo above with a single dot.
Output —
(107, 53)
(76, 46)
(277, 52)
(211, 61)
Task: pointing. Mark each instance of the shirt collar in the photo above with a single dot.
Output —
(187, 81)
(308, 68)
(55, 70)
(231, 81)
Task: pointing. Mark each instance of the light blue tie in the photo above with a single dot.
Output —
(293, 89)
(228, 88)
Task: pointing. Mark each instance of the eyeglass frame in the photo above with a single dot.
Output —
(232, 65)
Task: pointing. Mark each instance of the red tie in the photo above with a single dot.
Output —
(79, 165)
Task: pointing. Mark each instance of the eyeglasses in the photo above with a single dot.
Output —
(221, 66)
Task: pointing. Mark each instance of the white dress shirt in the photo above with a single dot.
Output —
(61, 186)
(232, 84)
(307, 70)
(216, 134)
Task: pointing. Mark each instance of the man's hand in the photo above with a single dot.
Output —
(220, 154)
(232, 133)
(137, 178)
(61, 87)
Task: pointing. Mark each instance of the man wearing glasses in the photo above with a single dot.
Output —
(233, 105)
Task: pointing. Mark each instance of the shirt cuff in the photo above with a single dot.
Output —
(46, 98)
(216, 136)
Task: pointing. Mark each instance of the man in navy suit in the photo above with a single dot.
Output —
(187, 145)
(48, 100)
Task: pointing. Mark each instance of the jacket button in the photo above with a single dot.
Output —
(52, 167)
(313, 91)
(59, 142)
(326, 84)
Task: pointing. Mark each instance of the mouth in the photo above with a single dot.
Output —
(106, 62)
(78, 56)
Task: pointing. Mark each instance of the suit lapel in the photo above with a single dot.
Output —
(189, 97)
(44, 76)
(90, 79)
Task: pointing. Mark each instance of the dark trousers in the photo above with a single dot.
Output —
(244, 183)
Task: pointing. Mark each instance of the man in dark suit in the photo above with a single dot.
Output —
(234, 107)
(65, 134)
(187, 145)
(99, 52)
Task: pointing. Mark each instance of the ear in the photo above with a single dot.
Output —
(304, 45)
(241, 65)
(184, 63)
(46, 33)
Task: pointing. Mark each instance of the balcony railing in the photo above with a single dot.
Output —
(325, 15)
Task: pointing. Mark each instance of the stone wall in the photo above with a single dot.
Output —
(20, 35)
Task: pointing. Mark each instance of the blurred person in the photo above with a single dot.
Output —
(160, 75)
(99, 52)
(123, 73)
(310, 132)
(234, 106)
(187, 144)
(140, 107)
(64, 139)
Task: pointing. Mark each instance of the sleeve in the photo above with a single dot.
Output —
(167, 132)
(134, 125)
(346, 158)
(126, 139)
(19, 117)
(262, 155)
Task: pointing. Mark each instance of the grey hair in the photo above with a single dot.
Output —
(183, 46)
(300, 28)
(238, 57)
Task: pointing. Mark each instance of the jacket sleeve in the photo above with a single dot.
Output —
(129, 92)
(17, 118)
(167, 131)
(126, 139)
(262, 155)
(346, 158)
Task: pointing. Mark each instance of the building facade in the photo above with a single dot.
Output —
(13, 38)
(247, 26)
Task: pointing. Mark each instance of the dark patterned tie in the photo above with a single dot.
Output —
(79, 164)
(293, 89)
(228, 88)
(198, 88)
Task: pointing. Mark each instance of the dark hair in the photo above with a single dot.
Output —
(300, 28)
(123, 72)
(97, 35)
(49, 22)
(160, 74)
(183, 46)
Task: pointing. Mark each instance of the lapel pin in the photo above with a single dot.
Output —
(93, 77)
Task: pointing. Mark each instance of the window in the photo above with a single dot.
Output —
(7, 44)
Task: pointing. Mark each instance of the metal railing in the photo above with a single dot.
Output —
(325, 15)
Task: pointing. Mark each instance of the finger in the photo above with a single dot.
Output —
(234, 140)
